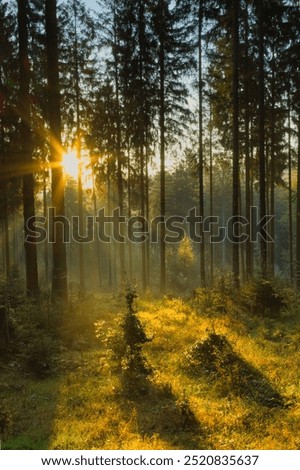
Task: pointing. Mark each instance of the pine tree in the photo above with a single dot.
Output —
(77, 50)
(59, 259)
(172, 27)
(137, 67)
(200, 144)
(26, 150)
(8, 65)
(235, 135)
(261, 131)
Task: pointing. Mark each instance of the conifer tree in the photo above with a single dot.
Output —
(26, 150)
(59, 258)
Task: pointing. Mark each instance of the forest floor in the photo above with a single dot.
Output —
(243, 394)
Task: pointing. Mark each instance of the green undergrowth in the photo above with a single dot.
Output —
(157, 374)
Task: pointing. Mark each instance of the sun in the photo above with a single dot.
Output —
(70, 164)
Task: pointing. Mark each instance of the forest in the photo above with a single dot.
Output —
(149, 224)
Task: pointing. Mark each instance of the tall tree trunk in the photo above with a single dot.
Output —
(272, 168)
(6, 232)
(298, 211)
(59, 269)
(211, 189)
(251, 192)
(78, 154)
(97, 241)
(162, 111)
(110, 246)
(45, 214)
(235, 133)
(129, 208)
(261, 134)
(142, 131)
(200, 146)
(120, 187)
(249, 251)
(2, 243)
(241, 245)
(4, 194)
(142, 203)
(119, 143)
(15, 241)
(31, 267)
(291, 251)
(147, 206)
(80, 217)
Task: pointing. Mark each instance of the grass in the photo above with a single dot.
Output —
(81, 404)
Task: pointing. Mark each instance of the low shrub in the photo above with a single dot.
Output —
(264, 297)
(216, 359)
(208, 356)
(124, 347)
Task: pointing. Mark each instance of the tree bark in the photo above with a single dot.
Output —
(129, 208)
(249, 251)
(118, 144)
(142, 131)
(45, 214)
(6, 233)
(162, 150)
(31, 266)
(147, 207)
(200, 147)
(97, 241)
(235, 138)
(272, 169)
(78, 154)
(291, 250)
(211, 192)
(298, 211)
(59, 257)
(261, 133)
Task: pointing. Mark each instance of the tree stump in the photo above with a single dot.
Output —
(3, 329)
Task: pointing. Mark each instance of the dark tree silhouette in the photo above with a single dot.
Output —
(59, 258)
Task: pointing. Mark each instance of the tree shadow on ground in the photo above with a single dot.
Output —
(28, 408)
(46, 343)
(215, 359)
(160, 413)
